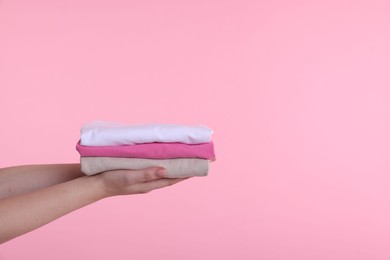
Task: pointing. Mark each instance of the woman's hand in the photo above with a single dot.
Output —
(33, 206)
(125, 182)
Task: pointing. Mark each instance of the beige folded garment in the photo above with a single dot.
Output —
(176, 168)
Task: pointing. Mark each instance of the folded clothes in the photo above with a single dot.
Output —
(176, 168)
(100, 133)
(151, 151)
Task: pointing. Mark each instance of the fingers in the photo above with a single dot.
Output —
(122, 182)
(146, 175)
(156, 184)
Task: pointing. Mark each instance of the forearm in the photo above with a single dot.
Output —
(24, 213)
(19, 180)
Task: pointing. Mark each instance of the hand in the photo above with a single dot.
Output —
(124, 182)
(40, 204)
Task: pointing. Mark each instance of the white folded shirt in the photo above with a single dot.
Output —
(99, 133)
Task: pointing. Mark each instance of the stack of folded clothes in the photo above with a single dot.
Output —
(183, 150)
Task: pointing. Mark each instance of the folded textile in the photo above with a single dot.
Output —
(176, 168)
(100, 133)
(150, 151)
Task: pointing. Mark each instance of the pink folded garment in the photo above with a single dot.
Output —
(151, 151)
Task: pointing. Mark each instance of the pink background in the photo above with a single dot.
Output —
(297, 93)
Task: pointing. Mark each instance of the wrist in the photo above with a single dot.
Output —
(96, 182)
(104, 189)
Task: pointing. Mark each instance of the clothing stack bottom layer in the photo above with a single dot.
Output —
(184, 151)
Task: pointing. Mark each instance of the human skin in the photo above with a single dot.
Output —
(34, 195)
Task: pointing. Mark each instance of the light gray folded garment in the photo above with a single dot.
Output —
(176, 168)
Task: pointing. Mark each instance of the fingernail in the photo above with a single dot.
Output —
(162, 172)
